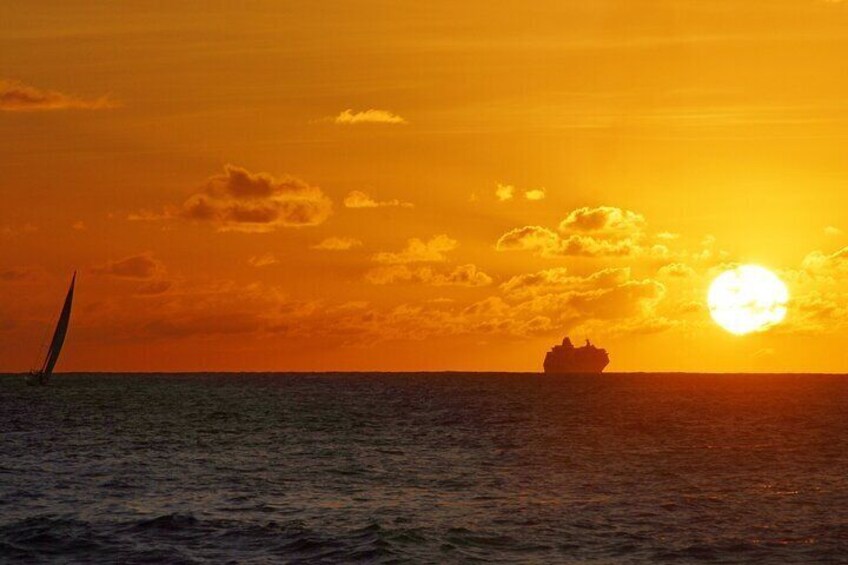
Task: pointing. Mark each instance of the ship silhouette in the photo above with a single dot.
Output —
(566, 359)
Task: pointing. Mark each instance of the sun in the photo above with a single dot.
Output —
(747, 299)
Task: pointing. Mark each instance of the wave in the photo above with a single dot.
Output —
(185, 538)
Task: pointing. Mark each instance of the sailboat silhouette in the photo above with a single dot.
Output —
(42, 375)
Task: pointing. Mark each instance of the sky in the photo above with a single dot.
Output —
(420, 186)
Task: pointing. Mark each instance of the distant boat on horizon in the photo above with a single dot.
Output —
(567, 359)
(42, 375)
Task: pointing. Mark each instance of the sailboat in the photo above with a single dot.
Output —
(41, 376)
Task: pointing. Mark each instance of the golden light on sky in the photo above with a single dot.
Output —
(354, 186)
(746, 299)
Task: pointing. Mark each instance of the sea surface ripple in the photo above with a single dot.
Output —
(424, 468)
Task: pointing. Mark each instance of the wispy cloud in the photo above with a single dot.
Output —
(18, 97)
(337, 244)
(463, 275)
(142, 266)
(371, 116)
(359, 199)
(265, 260)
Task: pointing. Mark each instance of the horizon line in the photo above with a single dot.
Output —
(435, 372)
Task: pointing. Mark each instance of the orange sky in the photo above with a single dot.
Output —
(365, 185)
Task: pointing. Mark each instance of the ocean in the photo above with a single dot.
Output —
(424, 468)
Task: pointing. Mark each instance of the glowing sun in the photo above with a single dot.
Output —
(747, 299)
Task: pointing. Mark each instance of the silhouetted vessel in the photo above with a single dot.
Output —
(42, 375)
(565, 359)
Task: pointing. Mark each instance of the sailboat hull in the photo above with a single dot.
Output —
(37, 378)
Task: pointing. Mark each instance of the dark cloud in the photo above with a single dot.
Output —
(142, 266)
(154, 287)
(239, 200)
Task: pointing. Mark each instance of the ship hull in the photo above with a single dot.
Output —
(583, 369)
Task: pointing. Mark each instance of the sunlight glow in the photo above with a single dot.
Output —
(747, 299)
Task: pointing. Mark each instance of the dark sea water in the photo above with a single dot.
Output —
(426, 468)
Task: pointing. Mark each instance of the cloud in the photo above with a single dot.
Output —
(16, 274)
(239, 200)
(222, 308)
(547, 243)
(12, 231)
(265, 260)
(708, 252)
(463, 275)
(668, 236)
(559, 280)
(535, 194)
(142, 266)
(832, 230)
(148, 271)
(202, 324)
(676, 270)
(19, 97)
(628, 299)
(605, 231)
(819, 261)
(602, 219)
(349, 117)
(337, 244)
(530, 238)
(359, 199)
(154, 287)
(418, 251)
(552, 301)
(79, 225)
(505, 192)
